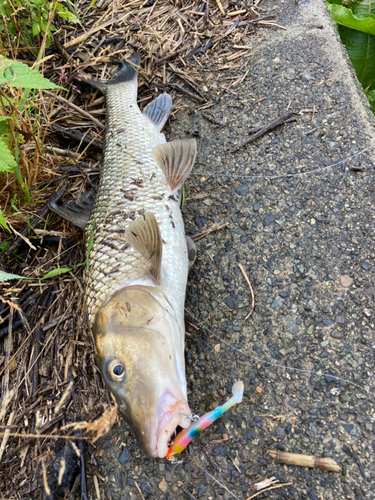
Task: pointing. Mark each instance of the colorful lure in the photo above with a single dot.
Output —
(187, 435)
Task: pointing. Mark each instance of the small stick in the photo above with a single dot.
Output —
(181, 89)
(188, 494)
(139, 490)
(251, 290)
(281, 120)
(214, 227)
(285, 457)
(212, 119)
(269, 489)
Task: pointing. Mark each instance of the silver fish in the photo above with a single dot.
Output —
(138, 262)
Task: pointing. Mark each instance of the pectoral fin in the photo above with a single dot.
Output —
(78, 211)
(192, 250)
(143, 235)
(176, 159)
(159, 110)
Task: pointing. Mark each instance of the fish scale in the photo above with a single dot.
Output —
(129, 168)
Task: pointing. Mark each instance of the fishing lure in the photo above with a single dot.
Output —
(187, 435)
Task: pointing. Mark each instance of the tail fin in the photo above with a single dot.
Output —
(128, 70)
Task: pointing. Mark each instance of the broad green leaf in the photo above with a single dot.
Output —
(3, 118)
(371, 97)
(3, 221)
(7, 161)
(346, 17)
(19, 75)
(7, 277)
(57, 272)
(361, 50)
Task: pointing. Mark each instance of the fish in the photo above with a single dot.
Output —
(138, 261)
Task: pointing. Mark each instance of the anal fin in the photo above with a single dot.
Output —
(176, 159)
(159, 110)
(78, 211)
(144, 236)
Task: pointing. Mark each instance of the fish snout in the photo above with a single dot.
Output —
(172, 413)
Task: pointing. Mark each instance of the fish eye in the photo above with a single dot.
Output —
(115, 370)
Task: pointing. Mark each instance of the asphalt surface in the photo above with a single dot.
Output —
(306, 243)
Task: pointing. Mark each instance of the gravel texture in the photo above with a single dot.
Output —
(307, 245)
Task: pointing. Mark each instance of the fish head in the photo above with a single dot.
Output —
(140, 357)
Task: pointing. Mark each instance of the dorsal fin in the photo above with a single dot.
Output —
(77, 211)
(143, 235)
(159, 110)
(176, 159)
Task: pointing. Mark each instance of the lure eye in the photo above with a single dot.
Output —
(116, 370)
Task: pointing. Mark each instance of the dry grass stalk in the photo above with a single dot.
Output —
(6, 434)
(305, 460)
(64, 397)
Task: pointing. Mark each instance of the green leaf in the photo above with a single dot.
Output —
(66, 14)
(7, 277)
(346, 17)
(3, 221)
(361, 50)
(3, 118)
(4, 246)
(19, 75)
(7, 161)
(57, 272)
(371, 97)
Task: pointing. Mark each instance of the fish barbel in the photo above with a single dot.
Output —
(138, 262)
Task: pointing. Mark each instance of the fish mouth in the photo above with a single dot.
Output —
(172, 413)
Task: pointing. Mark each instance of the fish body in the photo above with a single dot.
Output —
(138, 264)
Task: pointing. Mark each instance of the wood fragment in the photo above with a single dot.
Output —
(305, 460)
(214, 227)
(265, 483)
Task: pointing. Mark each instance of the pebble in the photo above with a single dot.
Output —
(336, 334)
(242, 190)
(257, 207)
(163, 486)
(346, 281)
(124, 456)
(277, 303)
